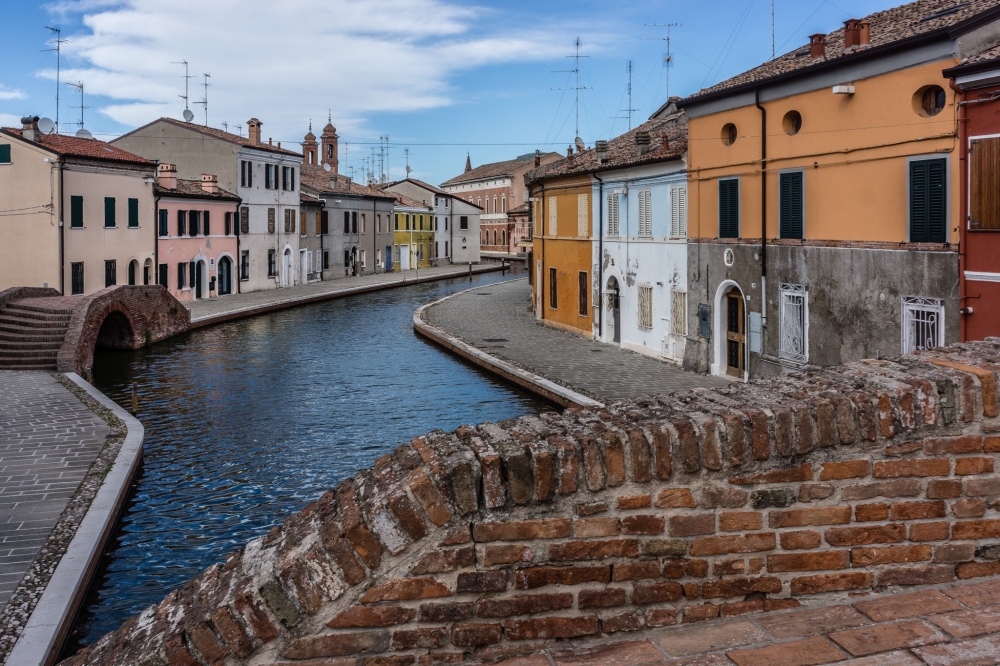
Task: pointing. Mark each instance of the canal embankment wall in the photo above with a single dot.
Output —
(697, 505)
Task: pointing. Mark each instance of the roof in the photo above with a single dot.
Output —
(985, 59)
(426, 186)
(402, 200)
(496, 170)
(523, 209)
(916, 21)
(315, 177)
(309, 199)
(622, 150)
(71, 146)
(219, 134)
(193, 189)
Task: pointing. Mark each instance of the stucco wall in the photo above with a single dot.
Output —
(174, 249)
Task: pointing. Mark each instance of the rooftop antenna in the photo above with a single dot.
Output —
(188, 116)
(629, 110)
(58, 41)
(383, 152)
(225, 125)
(205, 100)
(79, 86)
(239, 129)
(577, 88)
(669, 58)
(772, 29)
(408, 169)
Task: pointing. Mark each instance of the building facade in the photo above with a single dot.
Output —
(413, 224)
(197, 241)
(311, 250)
(264, 176)
(455, 221)
(832, 234)
(85, 213)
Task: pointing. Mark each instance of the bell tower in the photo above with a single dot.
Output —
(329, 146)
(309, 147)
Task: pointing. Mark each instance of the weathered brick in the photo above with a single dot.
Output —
(988, 384)
(482, 581)
(506, 554)
(682, 526)
(929, 531)
(681, 567)
(870, 556)
(991, 444)
(968, 508)
(773, 497)
(662, 455)
(593, 464)
(736, 587)
(444, 560)
(969, 466)
(663, 546)
(608, 597)
(591, 508)
(593, 550)
(635, 570)
(728, 498)
(687, 445)
(521, 530)
(800, 473)
(896, 488)
(459, 536)
(734, 608)
(207, 643)
(833, 515)
(836, 582)
(551, 627)
(750, 543)
(353, 524)
(634, 502)
(407, 515)
(661, 617)
(371, 616)
(472, 635)
(814, 491)
(567, 464)
(627, 621)
(177, 653)
(866, 513)
(656, 593)
(676, 498)
(917, 510)
(954, 552)
(254, 616)
(532, 577)
(848, 469)
(700, 613)
(887, 469)
(524, 604)
(925, 574)
(424, 637)
(384, 660)
(596, 527)
(232, 633)
(962, 444)
(403, 589)
(860, 536)
(800, 539)
(817, 561)
(975, 529)
(987, 487)
(494, 488)
(451, 612)
(648, 525)
(968, 570)
(543, 468)
(711, 447)
(336, 645)
(740, 521)
(944, 488)
(429, 497)
(638, 447)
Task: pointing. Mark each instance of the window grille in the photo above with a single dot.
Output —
(582, 280)
(678, 212)
(678, 312)
(582, 226)
(553, 217)
(244, 220)
(245, 265)
(645, 306)
(110, 272)
(794, 318)
(612, 214)
(553, 290)
(77, 272)
(270, 220)
(645, 213)
(923, 323)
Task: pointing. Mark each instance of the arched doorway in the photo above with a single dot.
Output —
(730, 331)
(286, 268)
(354, 260)
(225, 276)
(147, 271)
(199, 279)
(613, 311)
(133, 268)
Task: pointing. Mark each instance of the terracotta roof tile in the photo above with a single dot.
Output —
(402, 199)
(316, 178)
(192, 188)
(225, 136)
(495, 170)
(72, 146)
(887, 27)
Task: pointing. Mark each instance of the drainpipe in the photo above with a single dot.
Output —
(374, 237)
(763, 208)
(62, 231)
(156, 237)
(600, 256)
(963, 206)
(238, 218)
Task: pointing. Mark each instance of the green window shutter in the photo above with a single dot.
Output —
(109, 211)
(4, 153)
(928, 214)
(729, 208)
(790, 205)
(133, 212)
(76, 212)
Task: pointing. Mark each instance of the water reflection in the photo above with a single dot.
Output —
(249, 421)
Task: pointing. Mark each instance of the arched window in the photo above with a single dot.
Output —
(503, 201)
(494, 236)
(494, 203)
(503, 237)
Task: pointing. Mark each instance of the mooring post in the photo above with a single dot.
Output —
(135, 400)
(503, 266)
(470, 271)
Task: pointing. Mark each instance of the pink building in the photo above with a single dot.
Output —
(198, 245)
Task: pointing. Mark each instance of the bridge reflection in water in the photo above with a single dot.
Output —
(249, 421)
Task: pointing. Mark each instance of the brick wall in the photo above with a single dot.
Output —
(493, 540)
(17, 293)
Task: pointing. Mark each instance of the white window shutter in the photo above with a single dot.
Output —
(582, 223)
(675, 212)
(682, 194)
(553, 217)
(645, 213)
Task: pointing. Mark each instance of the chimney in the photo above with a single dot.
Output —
(269, 141)
(866, 32)
(817, 46)
(852, 34)
(601, 148)
(468, 163)
(538, 158)
(210, 183)
(279, 144)
(253, 131)
(29, 128)
(666, 141)
(167, 176)
(642, 142)
(569, 155)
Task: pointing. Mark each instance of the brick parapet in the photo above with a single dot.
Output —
(494, 540)
(17, 293)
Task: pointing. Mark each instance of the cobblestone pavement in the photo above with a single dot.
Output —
(950, 626)
(227, 305)
(498, 320)
(48, 439)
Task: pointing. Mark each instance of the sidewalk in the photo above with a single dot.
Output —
(497, 320)
(946, 626)
(207, 312)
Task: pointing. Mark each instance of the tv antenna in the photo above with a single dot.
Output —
(669, 58)
(629, 110)
(239, 129)
(577, 88)
(205, 99)
(188, 116)
(58, 41)
(772, 29)
(408, 169)
(79, 86)
(225, 126)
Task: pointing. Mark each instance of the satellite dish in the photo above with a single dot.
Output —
(188, 115)
(84, 134)
(326, 167)
(408, 170)
(46, 126)
(580, 145)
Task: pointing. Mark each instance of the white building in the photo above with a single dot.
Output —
(456, 222)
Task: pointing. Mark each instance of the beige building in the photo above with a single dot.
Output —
(75, 214)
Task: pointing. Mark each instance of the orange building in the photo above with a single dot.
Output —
(824, 214)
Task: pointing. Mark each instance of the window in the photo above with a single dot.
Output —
(378, 223)
(582, 295)
(109, 212)
(645, 213)
(246, 173)
(324, 222)
(645, 306)
(446, 248)
(228, 224)
(4, 153)
(302, 223)
(270, 176)
(553, 217)
(923, 323)
(582, 226)
(363, 223)
(287, 178)
(612, 214)
(270, 220)
(181, 222)
(326, 259)
(678, 212)
(271, 268)
(553, 292)
(790, 205)
(792, 123)
(503, 237)
(110, 272)
(729, 134)
(244, 220)
(503, 202)
(928, 215)
(463, 222)
(289, 221)
(132, 265)
(793, 301)
(494, 203)
(378, 257)
(206, 227)
(245, 265)
(347, 222)
(162, 277)
(76, 269)
(347, 258)
(364, 258)
(984, 183)
(133, 212)
(182, 275)
(76, 215)
(929, 101)
(494, 236)
(162, 226)
(194, 222)
(354, 222)
(678, 312)
(729, 208)
(446, 224)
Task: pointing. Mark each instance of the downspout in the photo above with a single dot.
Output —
(963, 206)
(239, 235)
(374, 236)
(600, 256)
(156, 237)
(763, 208)
(322, 254)
(62, 231)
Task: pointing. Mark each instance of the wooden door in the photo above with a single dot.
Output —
(735, 335)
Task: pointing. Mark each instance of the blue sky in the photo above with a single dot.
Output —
(439, 77)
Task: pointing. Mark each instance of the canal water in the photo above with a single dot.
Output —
(249, 421)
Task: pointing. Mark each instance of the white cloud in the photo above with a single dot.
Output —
(284, 62)
(6, 93)
(10, 120)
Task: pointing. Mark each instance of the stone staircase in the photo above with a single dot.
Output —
(31, 335)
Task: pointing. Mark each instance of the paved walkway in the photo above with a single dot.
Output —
(48, 439)
(243, 305)
(950, 626)
(498, 320)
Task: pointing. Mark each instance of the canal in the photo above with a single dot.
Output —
(249, 421)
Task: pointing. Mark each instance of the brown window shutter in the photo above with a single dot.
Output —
(984, 184)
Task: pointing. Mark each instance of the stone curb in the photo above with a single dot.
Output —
(250, 311)
(528, 380)
(49, 624)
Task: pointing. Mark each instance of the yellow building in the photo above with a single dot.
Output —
(823, 210)
(413, 234)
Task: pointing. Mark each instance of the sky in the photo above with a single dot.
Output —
(440, 78)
